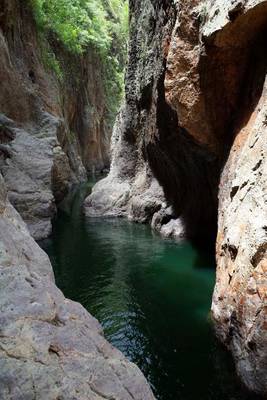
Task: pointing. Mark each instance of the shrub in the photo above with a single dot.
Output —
(79, 24)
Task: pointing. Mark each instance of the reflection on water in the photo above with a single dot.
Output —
(152, 297)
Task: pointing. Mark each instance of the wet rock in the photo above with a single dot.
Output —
(167, 225)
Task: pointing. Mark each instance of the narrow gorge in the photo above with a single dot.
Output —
(186, 159)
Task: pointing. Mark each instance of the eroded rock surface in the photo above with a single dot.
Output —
(239, 301)
(240, 297)
(216, 81)
(50, 347)
(192, 130)
(147, 141)
(60, 130)
(130, 189)
(195, 119)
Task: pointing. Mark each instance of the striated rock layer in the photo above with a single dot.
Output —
(195, 119)
(148, 142)
(51, 133)
(50, 347)
(130, 189)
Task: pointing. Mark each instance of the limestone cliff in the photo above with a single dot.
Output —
(53, 129)
(195, 119)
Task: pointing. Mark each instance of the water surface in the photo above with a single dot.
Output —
(152, 297)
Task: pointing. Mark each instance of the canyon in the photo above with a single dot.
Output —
(189, 147)
(188, 157)
(51, 136)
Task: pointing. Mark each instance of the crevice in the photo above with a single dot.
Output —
(188, 173)
(54, 350)
(234, 191)
(260, 254)
(257, 165)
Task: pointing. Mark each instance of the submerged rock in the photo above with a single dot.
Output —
(167, 225)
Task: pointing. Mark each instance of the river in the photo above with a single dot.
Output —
(152, 297)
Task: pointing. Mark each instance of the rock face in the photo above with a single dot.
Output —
(239, 300)
(58, 132)
(147, 136)
(50, 347)
(195, 119)
(130, 189)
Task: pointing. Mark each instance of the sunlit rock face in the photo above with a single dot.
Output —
(58, 132)
(195, 119)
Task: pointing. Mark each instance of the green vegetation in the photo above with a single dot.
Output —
(81, 25)
(50, 61)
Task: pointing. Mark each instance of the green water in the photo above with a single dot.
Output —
(152, 297)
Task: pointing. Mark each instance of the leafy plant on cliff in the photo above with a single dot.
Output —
(115, 60)
(51, 62)
(76, 23)
(82, 24)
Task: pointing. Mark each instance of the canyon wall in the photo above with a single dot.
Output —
(53, 130)
(53, 117)
(194, 118)
(130, 189)
(218, 89)
(148, 142)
